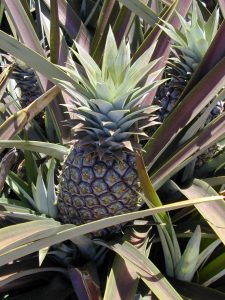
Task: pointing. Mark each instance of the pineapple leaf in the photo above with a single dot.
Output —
(51, 193)
(186, 267)
(65, 232)
(169, 264)
(204, 255)
(211, 25)
(109, 56)
(141, 10)
(40, 194)
(51, 149)
(146, 270)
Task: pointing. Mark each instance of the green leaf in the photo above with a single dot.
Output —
(168, 259)
(21, 189)
(211, 25)
(53, 150)
(141, 10)
(148, 272)
(213, 270)
(31, 167)
(19, 234)
(65, 232)
(51, 194)
(35, 60)
(186, 267)
(40, 194)
(214, 214)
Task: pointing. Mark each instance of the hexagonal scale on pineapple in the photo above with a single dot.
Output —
(118, 189)
(120, 167)
(66, 198)
(75, 174)
(72, 187)
(130, 176)
(99, 187)
(91, 201)
(128, 197)
(85, 214)
(111, 178)
(77, 159)
(100, 169)
(100, 212)
(114, 207)
(72, 213)
(62, 208)
(87, 175)
(85, 188)
(77, 202)
(106, 199)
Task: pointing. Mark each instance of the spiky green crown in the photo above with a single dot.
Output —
(109, 115)
(194, 38)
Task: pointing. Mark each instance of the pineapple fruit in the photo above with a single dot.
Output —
(99, 177)
(189, 47)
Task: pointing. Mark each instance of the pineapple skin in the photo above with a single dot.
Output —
(92, 189)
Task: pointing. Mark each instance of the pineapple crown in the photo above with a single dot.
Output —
(109, 115)
(194, 38)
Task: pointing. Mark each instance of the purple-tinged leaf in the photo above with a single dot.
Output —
(222, 7)
(25, 31)
(29, 14)
(195, 291)
(70, 231)
(116, 288)
(84, 281)
(142, 10)
(109, 10)
(6, 279)
(72, 24)
(213, 213)
(122, 24)
(162, 49)
(54, 32)
(186, 153)
(147, 187)
(16, 122)
(29, 37)
(146, 270)
(6, 164)
(214, 54)
(185, 112)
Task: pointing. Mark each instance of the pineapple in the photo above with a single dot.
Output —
(190, 46)
(27, 86)
(99, 177)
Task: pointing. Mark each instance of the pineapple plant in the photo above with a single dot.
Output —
(189, 47)
(99, 177)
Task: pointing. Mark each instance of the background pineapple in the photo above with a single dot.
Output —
(99, 177)
(190, 46)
